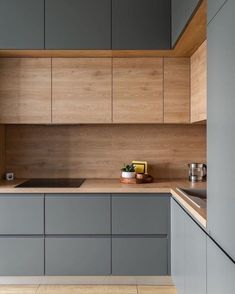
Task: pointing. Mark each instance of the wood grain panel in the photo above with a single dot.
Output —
(25, 90)
(176, 90)
(199, 84)
(138, 90)
(2, 150)
(99, 151)
(81, 90)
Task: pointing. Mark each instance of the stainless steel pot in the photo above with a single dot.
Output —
(197, 172)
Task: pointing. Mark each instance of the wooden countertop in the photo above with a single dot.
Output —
(114, 186)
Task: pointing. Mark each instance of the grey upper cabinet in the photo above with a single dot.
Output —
(21, 24)
(21, 214)
(213, 6)
(177, 245)
(140, 214)
(220, 271)
(77, 24)
(182, 11)
(77, 214)
(220, 126)
(195, 258)
(141, 24)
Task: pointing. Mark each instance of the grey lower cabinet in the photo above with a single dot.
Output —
(188, 250)
(78, 256)
(220, 125)
(21, 256)
(178, 246)
(77, 24)
(21, 214)
(141, 24)
(220, 270)
(22, 24)
(195, 258)
(139, 256)
(140, 213)
(213, 7)
(182, 11)
(77, 214)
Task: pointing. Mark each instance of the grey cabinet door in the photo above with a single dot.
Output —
(140, 213)
(22, 24)
(77, 214)
(21, 256)
(139, 256)
(213, 6)
(195, 258)
(182, 11)
(78, 24)
(220, 128)
(21, 214)
(177, 245)
(141, 24)
(78, 256)
(220, 271)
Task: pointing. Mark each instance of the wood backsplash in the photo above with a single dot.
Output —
(99, 151)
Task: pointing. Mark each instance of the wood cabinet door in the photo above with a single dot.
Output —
(137, 90)
(199, 84)
(25, 90)
(81, 90)
(78, 24)
(141, 24)
(176, 90)
(22, 24)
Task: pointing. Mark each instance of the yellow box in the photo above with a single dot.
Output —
(141, 167)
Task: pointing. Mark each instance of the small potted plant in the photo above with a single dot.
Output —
(128, 171)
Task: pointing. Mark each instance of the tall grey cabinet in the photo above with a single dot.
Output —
(221, 126)
(220, 270)
(21, 24)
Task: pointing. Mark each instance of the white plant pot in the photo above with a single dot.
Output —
(128, 175)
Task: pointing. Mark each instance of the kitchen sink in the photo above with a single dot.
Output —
(197, 196)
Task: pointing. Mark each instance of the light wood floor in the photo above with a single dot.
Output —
(73, 289)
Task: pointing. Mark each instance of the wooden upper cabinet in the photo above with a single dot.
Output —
(21, 24)
(137, 90)
(141, 24)
(81, 90)
(199, 84)
(176, 90)
(77, 24)
(25, 90)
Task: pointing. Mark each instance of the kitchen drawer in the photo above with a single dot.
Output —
(77, 214)
(140, 213)
(21, 256)
(139, 256)
(78, 256)
(21, 214)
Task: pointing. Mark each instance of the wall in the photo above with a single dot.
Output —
(98, 151)
(2, 150)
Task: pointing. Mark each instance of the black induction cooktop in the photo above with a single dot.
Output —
(51, 183)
